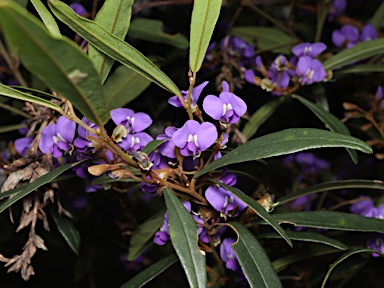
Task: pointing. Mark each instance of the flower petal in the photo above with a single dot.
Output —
(213, 106)
(206, 135)
(120, 115)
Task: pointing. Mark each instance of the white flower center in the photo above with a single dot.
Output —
(193, 138)
(58, 138)
(307, 50)
(226, 108)
(309, 73)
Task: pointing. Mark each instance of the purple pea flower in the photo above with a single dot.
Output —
(346, 37)
(22, 144)
(228, 255)
(363, 207)
(308, 49)
(368, 33)
(57, 138)
(376, 242)
(135, 142)
(310, 70)
(175, 101)
(194, 137)
(133, 122)
(227, 108)
(82, 143)
(168, 147)
(336, 8)
(223, 200)
(78, 9)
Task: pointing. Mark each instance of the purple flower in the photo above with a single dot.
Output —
(363, 207)
(336, 8)
(168, 147)
(249, 76)
(175, 101)
(22, 144)
(57, 138)
(227, 107)
(82, 143)
(346, 37)
(308, 49)
(194, 137)
(228, 255)
(368, 33)
(133, 122)
(223, 200)
(310, 70)
(135, 142)
(78, 9)
(376, 242)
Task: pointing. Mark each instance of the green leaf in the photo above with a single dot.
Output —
(265, 38)
(358, 52)
(378, 17)
(333, 123)
(183, 233)
(47, 18)
(308, 237)
(306, 253)
(331, 220)
(24, 190)
(13, 93)
(286, 142)
(123, 86)
(204, 17)
(143, 234)
(114, 17)
(259, 210)
(333, 185)
(360, 69)
(22, 3)
(253, 260)
(151, 272)
(112, 46)
(67, 230)
(261, 115)
(57, 61)
(151, 30)
(35, 92)
(151, 146)
(342, 258)
(13, 127)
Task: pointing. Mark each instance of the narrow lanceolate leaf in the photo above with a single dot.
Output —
(253, 260)
(143, 234)
(334, 124)
(333, 185)
(265, 38)
(114, 17)
(331, 220)
(378, 17)
(151, 272)
(308, 237)
(343, 257)
(151, 30)
(124, 86)
(47, 18)
(57, 61)
(67, 230)
(359, 52)
(204, 17)
(24, 190)
(259, 210)
(16, 94)
(261, 115)
(152, 146)
(304, 254)
(360, 69)
(183, 233)
(112, 46)
(286, 142)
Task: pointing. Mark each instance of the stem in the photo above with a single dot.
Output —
(191, 84)
(14, 68)
(15, 110)
(268, 17)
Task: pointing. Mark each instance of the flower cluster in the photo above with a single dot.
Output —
(302, 69)
(348, 35)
